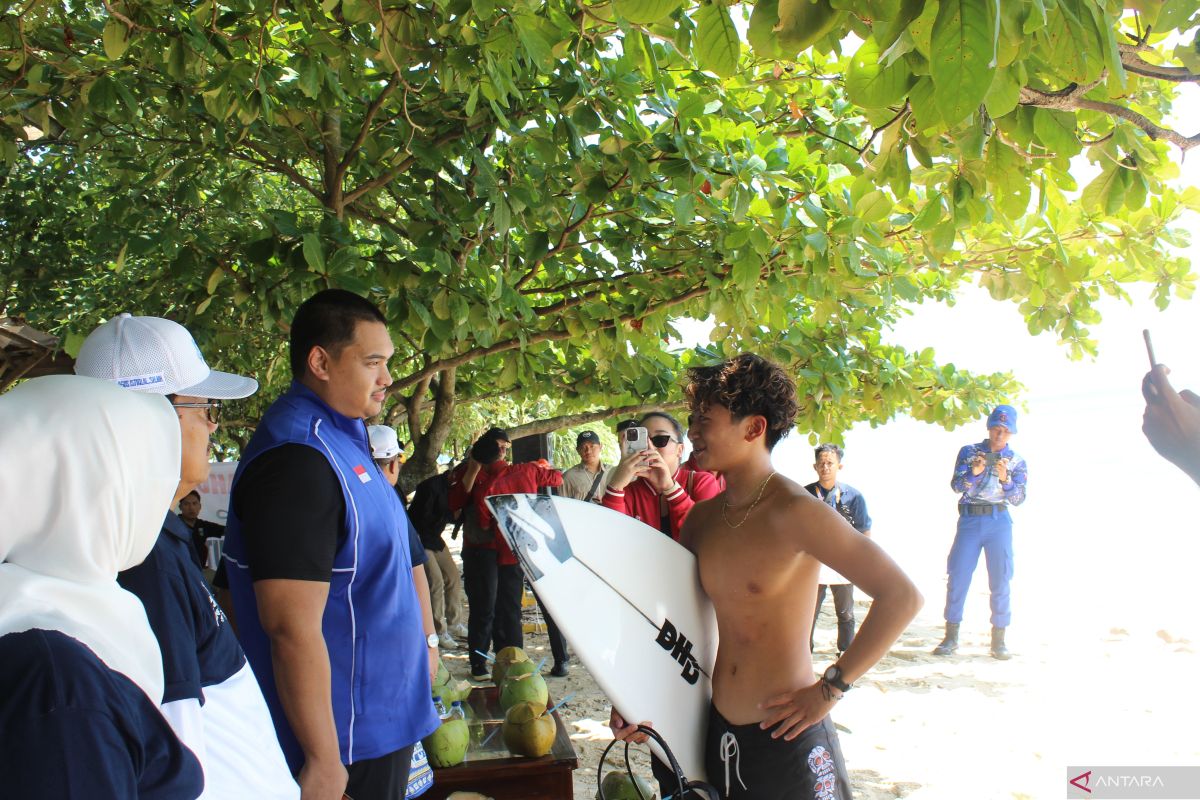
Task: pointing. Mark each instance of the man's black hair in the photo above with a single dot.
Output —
(327, 320)
(747, 384)
(664, 415)
(486, 450)
(189, 494)
(828, 447)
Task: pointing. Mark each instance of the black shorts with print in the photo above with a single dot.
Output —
(745, 763)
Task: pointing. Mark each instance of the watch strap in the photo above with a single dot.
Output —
(833, 676)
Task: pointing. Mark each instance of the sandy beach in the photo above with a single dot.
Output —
(925, 727)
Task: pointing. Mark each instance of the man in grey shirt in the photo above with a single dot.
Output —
(587, 479)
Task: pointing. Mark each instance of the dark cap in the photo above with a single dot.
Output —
(626, 423)
(498, 434)
(587, 437)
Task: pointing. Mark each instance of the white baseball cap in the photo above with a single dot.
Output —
(156, 356)
(384, 441)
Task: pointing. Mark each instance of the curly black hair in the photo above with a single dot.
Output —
(747, 385)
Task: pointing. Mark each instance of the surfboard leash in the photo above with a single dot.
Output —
(683, 785)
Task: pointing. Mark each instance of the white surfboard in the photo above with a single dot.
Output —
(628, 599)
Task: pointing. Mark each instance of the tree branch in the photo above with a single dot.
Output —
(562, 239)
(414, 410)
(396, 171)
(365, 129)
(551, 424)
(1139, 66)
(537, 338)
(1071, 99)
(278, 165)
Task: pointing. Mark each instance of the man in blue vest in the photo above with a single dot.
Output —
(320, 570)
(989, 477)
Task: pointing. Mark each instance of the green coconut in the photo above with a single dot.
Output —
(507, 656)
(467, 796)
(518, 668)
(447, 746)
(451, 691)
(528, 730)
(618, 786)
(527, 688)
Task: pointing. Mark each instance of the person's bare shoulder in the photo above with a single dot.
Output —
(699, 519)
(792, 512)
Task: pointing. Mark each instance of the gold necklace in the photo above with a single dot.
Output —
(725, 507)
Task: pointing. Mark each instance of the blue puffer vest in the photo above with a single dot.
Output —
(372, 623)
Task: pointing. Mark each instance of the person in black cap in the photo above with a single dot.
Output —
(587, 479)
(990, 478)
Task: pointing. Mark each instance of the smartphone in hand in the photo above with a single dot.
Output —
(634, 440)
(1149, 347)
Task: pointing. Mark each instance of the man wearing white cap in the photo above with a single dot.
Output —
(438, 584)
(210, 696)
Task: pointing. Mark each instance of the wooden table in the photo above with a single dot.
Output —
(492, 771)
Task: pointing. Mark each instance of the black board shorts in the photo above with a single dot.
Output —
(744, 763)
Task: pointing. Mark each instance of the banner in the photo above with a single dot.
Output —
(214, 492)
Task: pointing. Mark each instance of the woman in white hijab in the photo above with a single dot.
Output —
(87, 471)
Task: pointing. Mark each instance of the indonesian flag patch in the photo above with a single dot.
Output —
(362, 473)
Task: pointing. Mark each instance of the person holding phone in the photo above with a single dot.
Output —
(989, 477)
(650, 482)
(1171, 421)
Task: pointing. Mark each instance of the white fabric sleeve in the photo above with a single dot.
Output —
(186, 718)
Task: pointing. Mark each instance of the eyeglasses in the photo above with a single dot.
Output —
(212, 409)
(662, 440)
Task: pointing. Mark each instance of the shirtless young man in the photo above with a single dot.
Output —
(760, 545)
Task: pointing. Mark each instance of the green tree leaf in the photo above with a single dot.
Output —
(717, 43)
(314, 254)
(116, 39)
(960, 60)
(872, 85)
(646, 12)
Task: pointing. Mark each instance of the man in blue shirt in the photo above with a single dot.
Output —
(320, 569)
(848, 502)
(990, 477)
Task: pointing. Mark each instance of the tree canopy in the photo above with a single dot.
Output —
(534, 192)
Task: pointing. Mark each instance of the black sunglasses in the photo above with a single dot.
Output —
(662, 440)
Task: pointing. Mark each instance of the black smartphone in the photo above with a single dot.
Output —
(1149, 347)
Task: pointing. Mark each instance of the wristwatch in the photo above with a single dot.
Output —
(432, 640)
(833, 676)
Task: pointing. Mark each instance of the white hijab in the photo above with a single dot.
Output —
(87, 473)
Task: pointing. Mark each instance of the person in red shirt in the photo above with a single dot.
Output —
(652, 485)
(491, 573)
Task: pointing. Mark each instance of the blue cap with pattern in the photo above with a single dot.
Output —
(1005, 416)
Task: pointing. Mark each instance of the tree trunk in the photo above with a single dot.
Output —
(424, 459)
(331, 140)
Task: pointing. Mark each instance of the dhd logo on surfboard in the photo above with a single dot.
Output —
(674, 642)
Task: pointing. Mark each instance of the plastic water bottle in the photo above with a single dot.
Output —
(456, 710)
(440, 707)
